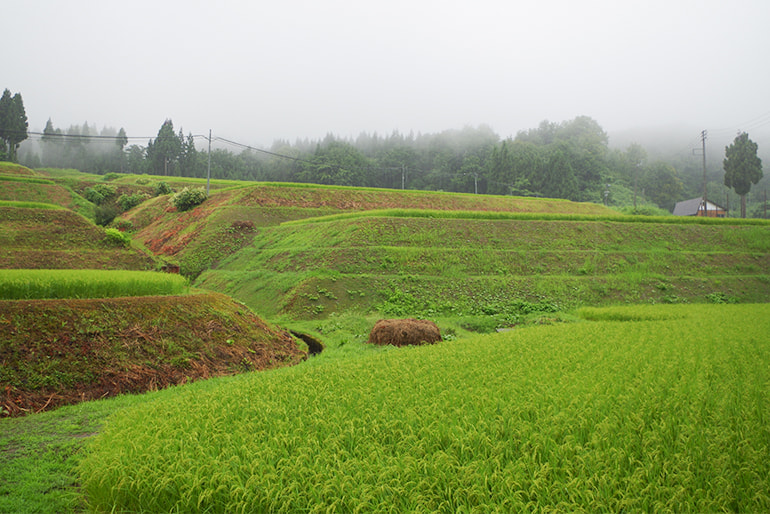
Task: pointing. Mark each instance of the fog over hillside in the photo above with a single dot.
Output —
(256, 72)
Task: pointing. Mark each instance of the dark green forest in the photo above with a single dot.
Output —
(570, 159)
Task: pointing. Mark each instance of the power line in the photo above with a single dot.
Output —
(754, 123)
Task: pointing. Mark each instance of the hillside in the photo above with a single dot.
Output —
(503, 268)
(18, 183)
(33, 238)
(55, 352)
(58, 352)
(226, 222)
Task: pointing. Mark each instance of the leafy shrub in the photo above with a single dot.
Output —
(104, 214)
(161, 188)
(116, 237)
(193, 265)
(100, 193)
(110, 176)
(188, 198)
(144, 179)
(127, 201)
(720, 298)
(124, 225)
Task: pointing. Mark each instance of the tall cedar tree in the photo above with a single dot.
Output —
(164, 152)
(742, 167)
(13, 122)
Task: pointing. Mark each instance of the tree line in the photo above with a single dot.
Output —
(569, 159)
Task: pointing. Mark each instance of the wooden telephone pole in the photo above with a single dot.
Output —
(705, 192)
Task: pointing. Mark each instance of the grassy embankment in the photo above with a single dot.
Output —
(49, 236)
(228, 220)
(491, 268)
(546, 253)
(56, 350)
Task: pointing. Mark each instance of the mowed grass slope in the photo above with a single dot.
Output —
(57, 347)
(450, 265)
(653, 409)
(18, 183)
(222, 225)
(57, 352)
(61, 239)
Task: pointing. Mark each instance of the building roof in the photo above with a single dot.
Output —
(691, 207)
(688, 207)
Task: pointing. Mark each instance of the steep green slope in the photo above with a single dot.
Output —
(226, 222)
(61, 239)
(444, 266)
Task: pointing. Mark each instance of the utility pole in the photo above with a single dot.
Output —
(705, 198)
(208, 173)
(636, 179)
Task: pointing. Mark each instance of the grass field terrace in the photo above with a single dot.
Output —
(448, 264)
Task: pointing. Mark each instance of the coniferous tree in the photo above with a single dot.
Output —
(742, 167)
(51, 145)
(162, 154)
(13, 123)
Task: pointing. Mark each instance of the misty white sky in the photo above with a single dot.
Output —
(257, 71)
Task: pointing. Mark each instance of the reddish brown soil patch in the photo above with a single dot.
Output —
(404, 332)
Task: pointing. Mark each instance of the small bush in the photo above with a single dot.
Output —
(116, 237)
(161, 188)
(127, 202)
(100, 193)
(104, 214)
(124, 225)
(188, 198)
(720, 298)
(110, 176)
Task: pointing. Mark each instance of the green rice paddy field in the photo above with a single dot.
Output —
(643, 408)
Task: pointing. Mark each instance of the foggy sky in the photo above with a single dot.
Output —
(257, 71)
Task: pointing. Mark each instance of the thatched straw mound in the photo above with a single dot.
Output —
(402, 332)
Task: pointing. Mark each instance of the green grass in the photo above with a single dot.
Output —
(25, 284)
(541, 216)
(29, 205)
(11, 168)
(23, 178)
(42, 236)
(664, 412)
(447, 266)
(37, 455)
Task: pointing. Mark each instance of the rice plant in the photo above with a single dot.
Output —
(30, 284)
(663, 409)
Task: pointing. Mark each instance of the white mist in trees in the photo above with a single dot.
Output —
(742, 167)
(662, 185)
